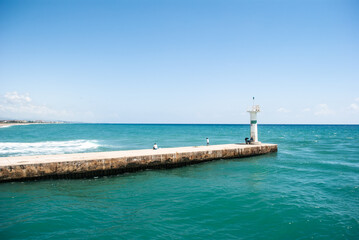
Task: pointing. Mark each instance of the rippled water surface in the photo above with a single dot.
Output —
(308, 190)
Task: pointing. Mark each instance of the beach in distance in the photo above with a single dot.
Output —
(309, 189)
(9, 123)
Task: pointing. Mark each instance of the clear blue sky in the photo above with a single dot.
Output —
(180, 61)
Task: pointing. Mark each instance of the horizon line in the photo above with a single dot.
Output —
(138, 123)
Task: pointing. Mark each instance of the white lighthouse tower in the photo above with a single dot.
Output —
(253, 117)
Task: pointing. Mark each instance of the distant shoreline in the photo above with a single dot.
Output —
(14, 124)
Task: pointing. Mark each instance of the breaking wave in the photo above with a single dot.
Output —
(49, 147)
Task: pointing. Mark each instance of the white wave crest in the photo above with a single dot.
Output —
(43, 148)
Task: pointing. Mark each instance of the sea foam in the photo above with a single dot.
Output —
(48, 147)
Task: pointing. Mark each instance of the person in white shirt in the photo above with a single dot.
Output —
(155, 146)
(207, 141)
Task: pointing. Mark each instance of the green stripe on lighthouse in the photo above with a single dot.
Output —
(254, 122)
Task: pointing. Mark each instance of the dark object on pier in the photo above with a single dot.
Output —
(248, 141)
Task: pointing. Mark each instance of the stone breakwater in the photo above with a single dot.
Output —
(107, 163)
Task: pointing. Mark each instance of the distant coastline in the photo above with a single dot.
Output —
(8, 123)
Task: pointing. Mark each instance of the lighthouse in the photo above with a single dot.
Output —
(253, 121)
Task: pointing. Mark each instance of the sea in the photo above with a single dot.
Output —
(309, 189)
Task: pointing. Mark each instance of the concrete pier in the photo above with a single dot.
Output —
(108, 163)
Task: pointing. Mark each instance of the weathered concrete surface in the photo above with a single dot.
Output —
(106, 163)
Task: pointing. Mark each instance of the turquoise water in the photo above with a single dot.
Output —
(308, 190)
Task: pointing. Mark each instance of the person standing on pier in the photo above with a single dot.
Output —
(155, 147)
(207, 141)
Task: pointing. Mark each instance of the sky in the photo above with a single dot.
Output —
(169, 61)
